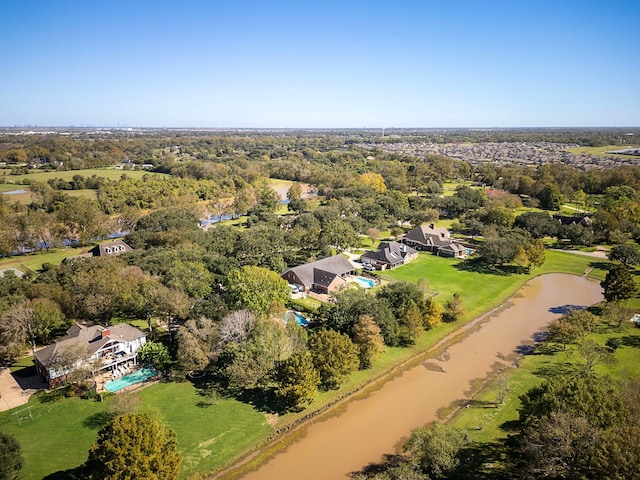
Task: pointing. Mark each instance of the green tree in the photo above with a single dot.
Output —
(257, 289)
(453, 308)
(294, 192)
(626, 253)
(297, 380)
(572, 326)
(134, 446)
(11, 460)
(155, 353)
(366, 334)
(411, 324)
(334, 357)
(619, 284)
(536, 254)
(196, 344)
(435, 448)
(431, 314)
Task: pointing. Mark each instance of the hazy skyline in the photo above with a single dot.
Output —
(285, 64)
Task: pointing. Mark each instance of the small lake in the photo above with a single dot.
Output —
(372, 426)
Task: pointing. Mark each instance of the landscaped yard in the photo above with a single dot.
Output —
(209, 431)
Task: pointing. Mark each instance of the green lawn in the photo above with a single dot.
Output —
(602, 150)
(209, 431)
(481, 292)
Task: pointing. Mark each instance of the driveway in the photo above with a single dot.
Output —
(12, 394)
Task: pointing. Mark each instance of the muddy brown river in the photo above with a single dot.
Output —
(372, 426)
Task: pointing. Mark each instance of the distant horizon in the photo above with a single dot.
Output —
(138, 127)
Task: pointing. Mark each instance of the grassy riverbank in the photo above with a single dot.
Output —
(211, 431)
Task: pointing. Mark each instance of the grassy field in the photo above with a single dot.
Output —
(448, 276)
(602, 151)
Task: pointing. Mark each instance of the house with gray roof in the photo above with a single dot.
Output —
(95, 348)
(436, 240)
(326, 275)
(389, 255)
(110, 249)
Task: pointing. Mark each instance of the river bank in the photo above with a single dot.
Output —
(371, 423)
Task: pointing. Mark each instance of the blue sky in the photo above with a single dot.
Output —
(298, 64)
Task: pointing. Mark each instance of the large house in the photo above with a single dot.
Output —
(436, 240)
(95, 348)
(110, 249)
(326, 275)
(389, 255)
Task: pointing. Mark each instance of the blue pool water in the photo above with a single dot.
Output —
(365, 282)
(135, 377)
(301, 319)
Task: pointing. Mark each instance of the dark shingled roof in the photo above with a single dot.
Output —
(389, 252)
(335, 266)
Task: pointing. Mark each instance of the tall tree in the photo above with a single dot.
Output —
(366, 334)
(297, 380)
(257, 289)
(11, 460)
(619, 284)
(435, 448)
(626, 253)
(334, 357)
(134, 446)
(27, 321)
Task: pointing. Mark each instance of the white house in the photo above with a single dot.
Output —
(96, 348)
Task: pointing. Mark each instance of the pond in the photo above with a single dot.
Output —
(369, 427)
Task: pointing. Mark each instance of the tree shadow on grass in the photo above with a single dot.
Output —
(630, 341)
(480, 461)
(478, 266)
(77, 473)
(555, 370)
(98, 420)
(600, 265)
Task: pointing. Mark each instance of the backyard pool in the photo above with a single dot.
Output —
(365, 282)
(301, 319)
(135, 377)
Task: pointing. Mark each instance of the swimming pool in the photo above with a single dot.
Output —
(301, 319)
(135, 377)
(365, 282)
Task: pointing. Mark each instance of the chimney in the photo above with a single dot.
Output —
(106, 332)
(432, 226)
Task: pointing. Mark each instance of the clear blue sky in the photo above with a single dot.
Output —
(369, 63)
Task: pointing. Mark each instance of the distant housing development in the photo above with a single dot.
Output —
(326, 275)
(96, 348)
(436, 240)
